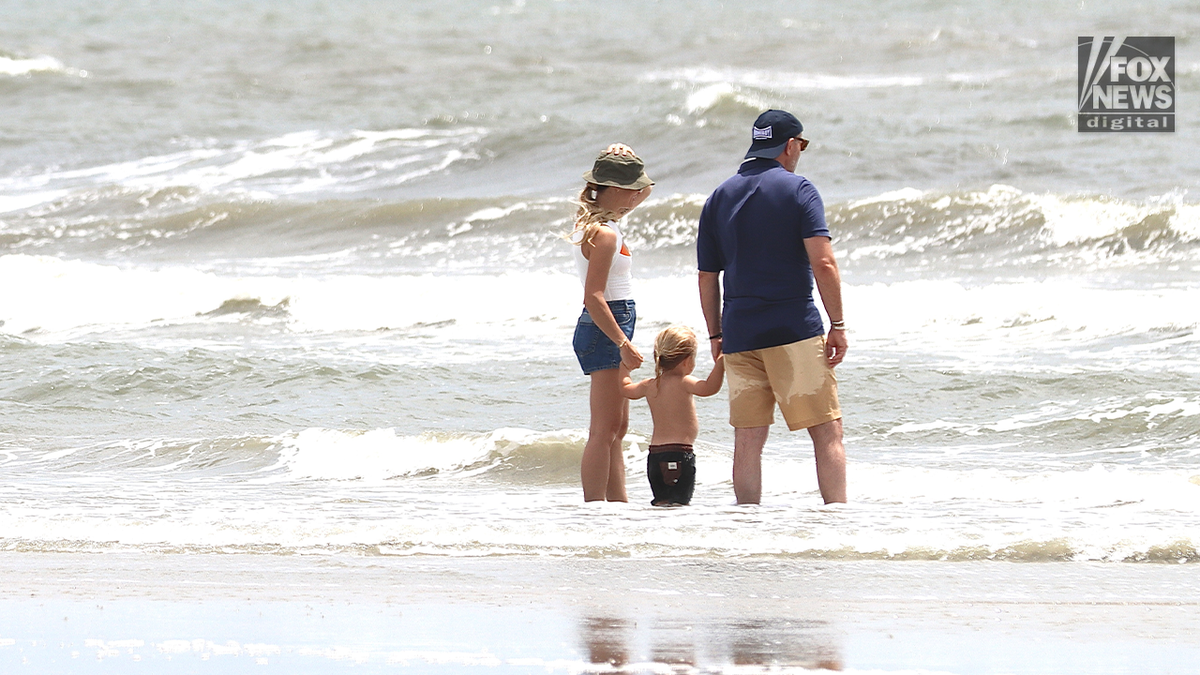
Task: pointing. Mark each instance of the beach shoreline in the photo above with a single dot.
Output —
(237, 612)
(286, 370)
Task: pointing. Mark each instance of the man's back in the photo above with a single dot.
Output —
(753, 229)
(765, 229)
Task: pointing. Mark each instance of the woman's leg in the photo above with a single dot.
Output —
(616, 458)
(610, 417)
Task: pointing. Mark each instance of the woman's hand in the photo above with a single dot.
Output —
(620, 149)
(631, 358)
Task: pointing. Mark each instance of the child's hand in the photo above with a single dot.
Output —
(711, 384)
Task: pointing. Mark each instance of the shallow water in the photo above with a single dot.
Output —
(287, 277)
(302, 614)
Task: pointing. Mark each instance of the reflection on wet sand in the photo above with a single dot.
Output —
(680, 650)
(776, 642)
(621, 643)
(606, 640)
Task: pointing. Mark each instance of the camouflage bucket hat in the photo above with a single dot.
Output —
(622, 171)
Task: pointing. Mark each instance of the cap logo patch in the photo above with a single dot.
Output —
(760, 134)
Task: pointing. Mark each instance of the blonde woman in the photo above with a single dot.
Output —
(615, 186)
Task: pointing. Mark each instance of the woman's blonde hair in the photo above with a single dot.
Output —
(589, 217)
(672, 347)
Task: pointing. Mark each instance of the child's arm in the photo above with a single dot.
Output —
(628, 388)
(712, 384)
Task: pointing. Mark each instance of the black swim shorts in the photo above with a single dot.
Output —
(671, 468)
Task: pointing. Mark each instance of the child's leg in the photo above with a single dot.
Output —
(682, 494)
(655, 478)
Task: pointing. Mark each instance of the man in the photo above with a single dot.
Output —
(765, 229)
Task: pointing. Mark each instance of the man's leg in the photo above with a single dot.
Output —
(831, 460)
(747, 463)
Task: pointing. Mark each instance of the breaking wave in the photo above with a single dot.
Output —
(377, 492)
(294, 164)
(15, 65)
(1000, 228)
(1005, 227)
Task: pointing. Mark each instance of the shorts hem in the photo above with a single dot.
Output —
(751, 425)
(815, 421)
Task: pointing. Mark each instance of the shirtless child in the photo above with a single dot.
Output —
(671, 465)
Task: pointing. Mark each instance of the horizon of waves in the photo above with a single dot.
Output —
(902, 232)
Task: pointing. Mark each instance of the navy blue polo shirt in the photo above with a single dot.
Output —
(753, 228)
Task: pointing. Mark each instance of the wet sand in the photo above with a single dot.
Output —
(84, 613)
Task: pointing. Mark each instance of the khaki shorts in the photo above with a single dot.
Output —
(795, 376)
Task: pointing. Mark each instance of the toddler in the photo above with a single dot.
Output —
(671, 465)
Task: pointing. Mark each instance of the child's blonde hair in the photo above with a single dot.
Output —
(672, 347)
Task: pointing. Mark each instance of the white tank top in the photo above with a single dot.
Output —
(620, 275)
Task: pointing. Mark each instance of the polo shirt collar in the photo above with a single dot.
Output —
(758, 163)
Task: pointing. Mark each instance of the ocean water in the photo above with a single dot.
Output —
(287, 277)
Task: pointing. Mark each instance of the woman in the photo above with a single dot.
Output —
(616, 184)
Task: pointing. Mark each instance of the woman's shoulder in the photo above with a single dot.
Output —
(605, 236)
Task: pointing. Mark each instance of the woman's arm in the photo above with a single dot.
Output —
(603, 247)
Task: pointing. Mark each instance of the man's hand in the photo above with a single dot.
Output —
(835, 347)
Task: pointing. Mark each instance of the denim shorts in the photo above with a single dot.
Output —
(592, 347)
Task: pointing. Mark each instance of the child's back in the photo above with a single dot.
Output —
(673, 408)
(671, 465)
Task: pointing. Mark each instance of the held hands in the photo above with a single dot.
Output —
(631, 358)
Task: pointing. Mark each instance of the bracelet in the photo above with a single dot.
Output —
(717, 336)
(622, 345)
(837, 325)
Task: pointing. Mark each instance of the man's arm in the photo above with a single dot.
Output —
(710, 304)
(829, 283)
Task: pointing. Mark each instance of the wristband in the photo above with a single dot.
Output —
(715, 337)
(837, 325)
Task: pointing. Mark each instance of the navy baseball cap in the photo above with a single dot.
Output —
(772, 130)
